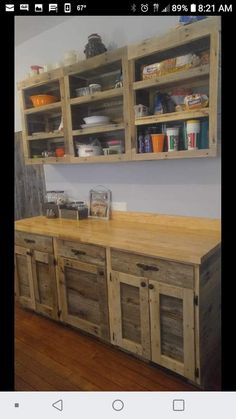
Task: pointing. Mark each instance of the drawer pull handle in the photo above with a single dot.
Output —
(151, 287)
(29, 241)
(78, 252)
(147, 267)
(143, 284)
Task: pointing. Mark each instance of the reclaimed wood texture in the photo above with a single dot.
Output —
(23, 277)
(80, 251)
(43, 270)
(175, 238)
(209, 312)
(172, 328)
(46, 359)
(29, 184)
(174, 38)
(84, 296)
(34, 241)
(131, 326)
(156, 269)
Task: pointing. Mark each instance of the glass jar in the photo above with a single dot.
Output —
(94, 46)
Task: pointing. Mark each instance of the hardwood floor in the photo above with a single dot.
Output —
(53, 357)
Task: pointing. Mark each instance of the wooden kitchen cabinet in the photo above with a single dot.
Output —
(130, 308)
(139, 290)
(152, 317)
(35, 274)
(40, 125)
(84, 296)
(112, 101)
(172, 328)
(201, 39)
(24, 288)
(83, 286)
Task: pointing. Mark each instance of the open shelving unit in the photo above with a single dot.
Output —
(194, 38)
(111, 101)
(40, 124)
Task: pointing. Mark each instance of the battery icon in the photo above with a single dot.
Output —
(193, 8)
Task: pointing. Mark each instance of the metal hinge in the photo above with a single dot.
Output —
(197, 372)
(195, 300)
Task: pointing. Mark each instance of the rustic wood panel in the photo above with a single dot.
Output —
(210, 316)
(34, 241)
(171, 316)
(130, 320)
(84, 296)
(29, 184)
(156, 269)
(23, 277)
(80, 251)
(130, 312)
(172, 328)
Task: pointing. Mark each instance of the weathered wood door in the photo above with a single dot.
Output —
(43, 271)
(29, 184)
(130, 308)
(83, 292)
(24, 288)
(172, 328)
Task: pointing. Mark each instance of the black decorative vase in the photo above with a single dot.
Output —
(94, 46)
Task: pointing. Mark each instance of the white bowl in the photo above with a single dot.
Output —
(96, 119)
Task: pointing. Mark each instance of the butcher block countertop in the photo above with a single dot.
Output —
(177, 238)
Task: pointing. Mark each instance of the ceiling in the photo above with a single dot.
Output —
(27, 27)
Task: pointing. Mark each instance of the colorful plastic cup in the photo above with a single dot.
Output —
(173, 138)
(157, 142)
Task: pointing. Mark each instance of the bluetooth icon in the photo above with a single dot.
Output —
(133, 8)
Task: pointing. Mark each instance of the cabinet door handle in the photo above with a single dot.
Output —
(101, 273)
(78, 252)
(151, 287)
(29, 241)
(29, 253)
(143, 284)
(147, 267)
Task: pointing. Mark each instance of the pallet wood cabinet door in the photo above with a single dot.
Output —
(24, 288)
(83, 292)
(172, 328)
(131, 325)
(44, 280)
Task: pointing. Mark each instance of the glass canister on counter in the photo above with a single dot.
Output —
(52, 200)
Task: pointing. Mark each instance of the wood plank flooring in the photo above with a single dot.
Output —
(53, 357)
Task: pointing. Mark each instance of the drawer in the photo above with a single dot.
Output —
(173, 273)
(84, 252)
(34, 241)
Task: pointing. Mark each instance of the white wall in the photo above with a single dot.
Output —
(187, 187)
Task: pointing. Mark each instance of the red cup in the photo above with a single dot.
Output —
(60, 152)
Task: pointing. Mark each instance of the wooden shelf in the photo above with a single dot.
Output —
(44, 108)
(174, 154)
(98, 159)
(47, 135)
(173, 116)
(99, 128)
(107, 94)
(175, 78)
